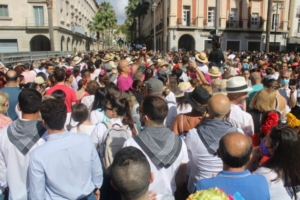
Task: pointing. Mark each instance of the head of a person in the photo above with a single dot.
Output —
(148, 74)
(86, 74)
(235, 150)
(76, 71)
(59, 74)
(98, 64)
(217, 45)
(246, 74)
(54, 114)
(4, 103)
(101, 97)
(26, 66)
(284, 77)
(72, 63)
(154, 86)
(32, 85)
(80, 113)
(154, 110)
(237, 89)
(124, 67)
(69, 76)
(130, 165)
(218, 107)
(49, 69)
(185, 60)
(91, 67)
(92, 87)
(12, 76)
(29, 101)
(59, 94)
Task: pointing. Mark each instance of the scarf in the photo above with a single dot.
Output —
(211, 131)
(160, 144)
(25, 134)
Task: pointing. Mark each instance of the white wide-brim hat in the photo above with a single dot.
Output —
(237, 84)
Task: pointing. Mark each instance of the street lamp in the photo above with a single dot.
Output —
(154, 6)
(275, 8)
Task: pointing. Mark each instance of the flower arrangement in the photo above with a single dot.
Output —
(210, 194)
(271, 121)
(292, 120)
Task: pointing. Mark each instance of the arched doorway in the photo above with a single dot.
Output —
(40, 43)
(62, 43)
(186, 42)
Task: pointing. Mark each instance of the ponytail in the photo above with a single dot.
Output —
(127, 119)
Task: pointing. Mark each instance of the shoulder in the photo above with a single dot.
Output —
(130, 142)
(206, 183)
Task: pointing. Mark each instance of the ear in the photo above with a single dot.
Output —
(113, 185)
(146, 118)
(7, 104)
(151, 177)
(18, 107)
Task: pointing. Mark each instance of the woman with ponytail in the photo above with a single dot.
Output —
(80, 114)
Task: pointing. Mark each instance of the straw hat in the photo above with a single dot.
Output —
(237, 84)
(43, 61)
(39, 80)
(112, 63)
(214, 71)
(222, 87)
(245, 61)
(260, 63)
(77, 60)
(184, 87)
(201, 57)
(163, 63)
(106, 58)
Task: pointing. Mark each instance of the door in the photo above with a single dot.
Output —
(253, 46)
(38, 15)
(233, 45)
(211, 16)
(275, 23)
(186, 16)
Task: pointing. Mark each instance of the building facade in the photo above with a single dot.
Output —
(24, 25)
(242, 24)
(294, 31)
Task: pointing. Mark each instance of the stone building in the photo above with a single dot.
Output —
(24, 25)
(242, 24)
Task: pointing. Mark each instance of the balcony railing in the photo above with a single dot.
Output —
(187, 21)
(207, 23)
(77, 29)
(33, 22)
(234, 24)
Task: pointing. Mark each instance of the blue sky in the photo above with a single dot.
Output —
(119, 6)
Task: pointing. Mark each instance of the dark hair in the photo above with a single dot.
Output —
(104, 79)
(137, 85)
(101, 98)
(30, 101)
(59, 94)
(132, 162)
(173, 83)
(59, 74)
(80, 113)
(49, 65)
(114, 92)
(76, 71)
(122, 108)
(234, 161)
(285, 160)
(176, 59)
(54, 112)
(52, 79)
(185, 60)
(163, 78)
(42, 74)
(148, 74)
(155, 108)
(26, 66)
(98, 63)
(80, 84)
(31, 85)
(12, 77)
(90, 65)
(92, 87)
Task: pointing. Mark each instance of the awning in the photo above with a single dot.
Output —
(294, 41)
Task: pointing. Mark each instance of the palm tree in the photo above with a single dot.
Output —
(50, 22)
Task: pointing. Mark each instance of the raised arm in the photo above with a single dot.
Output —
(140, 60)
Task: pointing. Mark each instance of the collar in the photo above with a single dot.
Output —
(58, 135)
(227, 174)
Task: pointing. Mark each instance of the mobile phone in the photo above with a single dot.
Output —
(292, 82)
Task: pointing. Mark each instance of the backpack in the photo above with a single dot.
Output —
(115, 137)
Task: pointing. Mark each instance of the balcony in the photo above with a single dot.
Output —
(77, 29)
(187, 22)
(34, 23)
(234, 24)
(208, 24)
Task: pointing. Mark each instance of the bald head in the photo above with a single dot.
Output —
(11, 76)
(235, 149)
(124, 67)
(218, 106)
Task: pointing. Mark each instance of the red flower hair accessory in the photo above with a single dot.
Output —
(103, 71)
(68, 72)
(271, 121)
(176, 66)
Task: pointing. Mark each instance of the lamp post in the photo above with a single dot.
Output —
(154, 6)
(277, 20)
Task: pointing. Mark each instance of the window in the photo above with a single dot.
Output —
(3, 11)
(38, 15)
(186, 16)
(211, 16)
(275, 23)
(254, 20)
(298, 26)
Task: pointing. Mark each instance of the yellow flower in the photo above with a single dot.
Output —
(292, 121)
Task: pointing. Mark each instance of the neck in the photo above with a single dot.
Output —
(60, 83)
(87, 122)
(124, 74)
(256, 82)
(31, 116)
(234, 102)
(11, 84)
(144, 197)
(230, 169)
(152, 123)
(52, 131)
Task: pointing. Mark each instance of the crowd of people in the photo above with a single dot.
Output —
(143, 125)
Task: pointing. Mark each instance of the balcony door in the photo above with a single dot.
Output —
(186, 13)
(38, 15)
(211, 16)
(233, 18)
(254, 20)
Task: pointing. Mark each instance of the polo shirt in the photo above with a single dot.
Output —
(250, 186)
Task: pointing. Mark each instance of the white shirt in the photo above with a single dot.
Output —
(276, 188)
(231, 57)
(184, 77)
(14, 167)
(164, 178)
(35, 71)
(88, 101)
(202, 67)
(241, 119)
(171, 97)
(285, 92)
(172, 113)
(96, 116)
(87, 129)
(186, 108)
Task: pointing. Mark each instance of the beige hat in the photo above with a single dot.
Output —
(112, 63)
(43, 61)
(260, 63)
(237, 84)
(214, 71)
(163, 63)
(221, 89)
(106, 58)
(39, 80)
(77, 59)
(201, 57)
(184, 87)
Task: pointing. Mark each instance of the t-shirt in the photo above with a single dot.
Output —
(87, 129)
(250, 186)
(13, 93)
(125, 83)
(70, 95)
(164, 178)
(28, 76)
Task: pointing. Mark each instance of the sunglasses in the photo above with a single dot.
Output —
(107, 108)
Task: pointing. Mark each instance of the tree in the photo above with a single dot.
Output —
(50, 22)
(103, 22)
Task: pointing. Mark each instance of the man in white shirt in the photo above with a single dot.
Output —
(185, 62)
(237, 92)
(17, 141)
(165, 151)
(202, 142)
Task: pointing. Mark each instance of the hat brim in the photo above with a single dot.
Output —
(78, 61)
(215, 75)
(239, 91)
(181, 94)
(194, 105)
(200, 60)
(106, 60)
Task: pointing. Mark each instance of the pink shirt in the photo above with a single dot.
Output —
(28, 76)
(125, 83)
(208, 78)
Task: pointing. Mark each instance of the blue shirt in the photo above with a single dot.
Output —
(67, 166)
(250, 186)
(13, 93)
